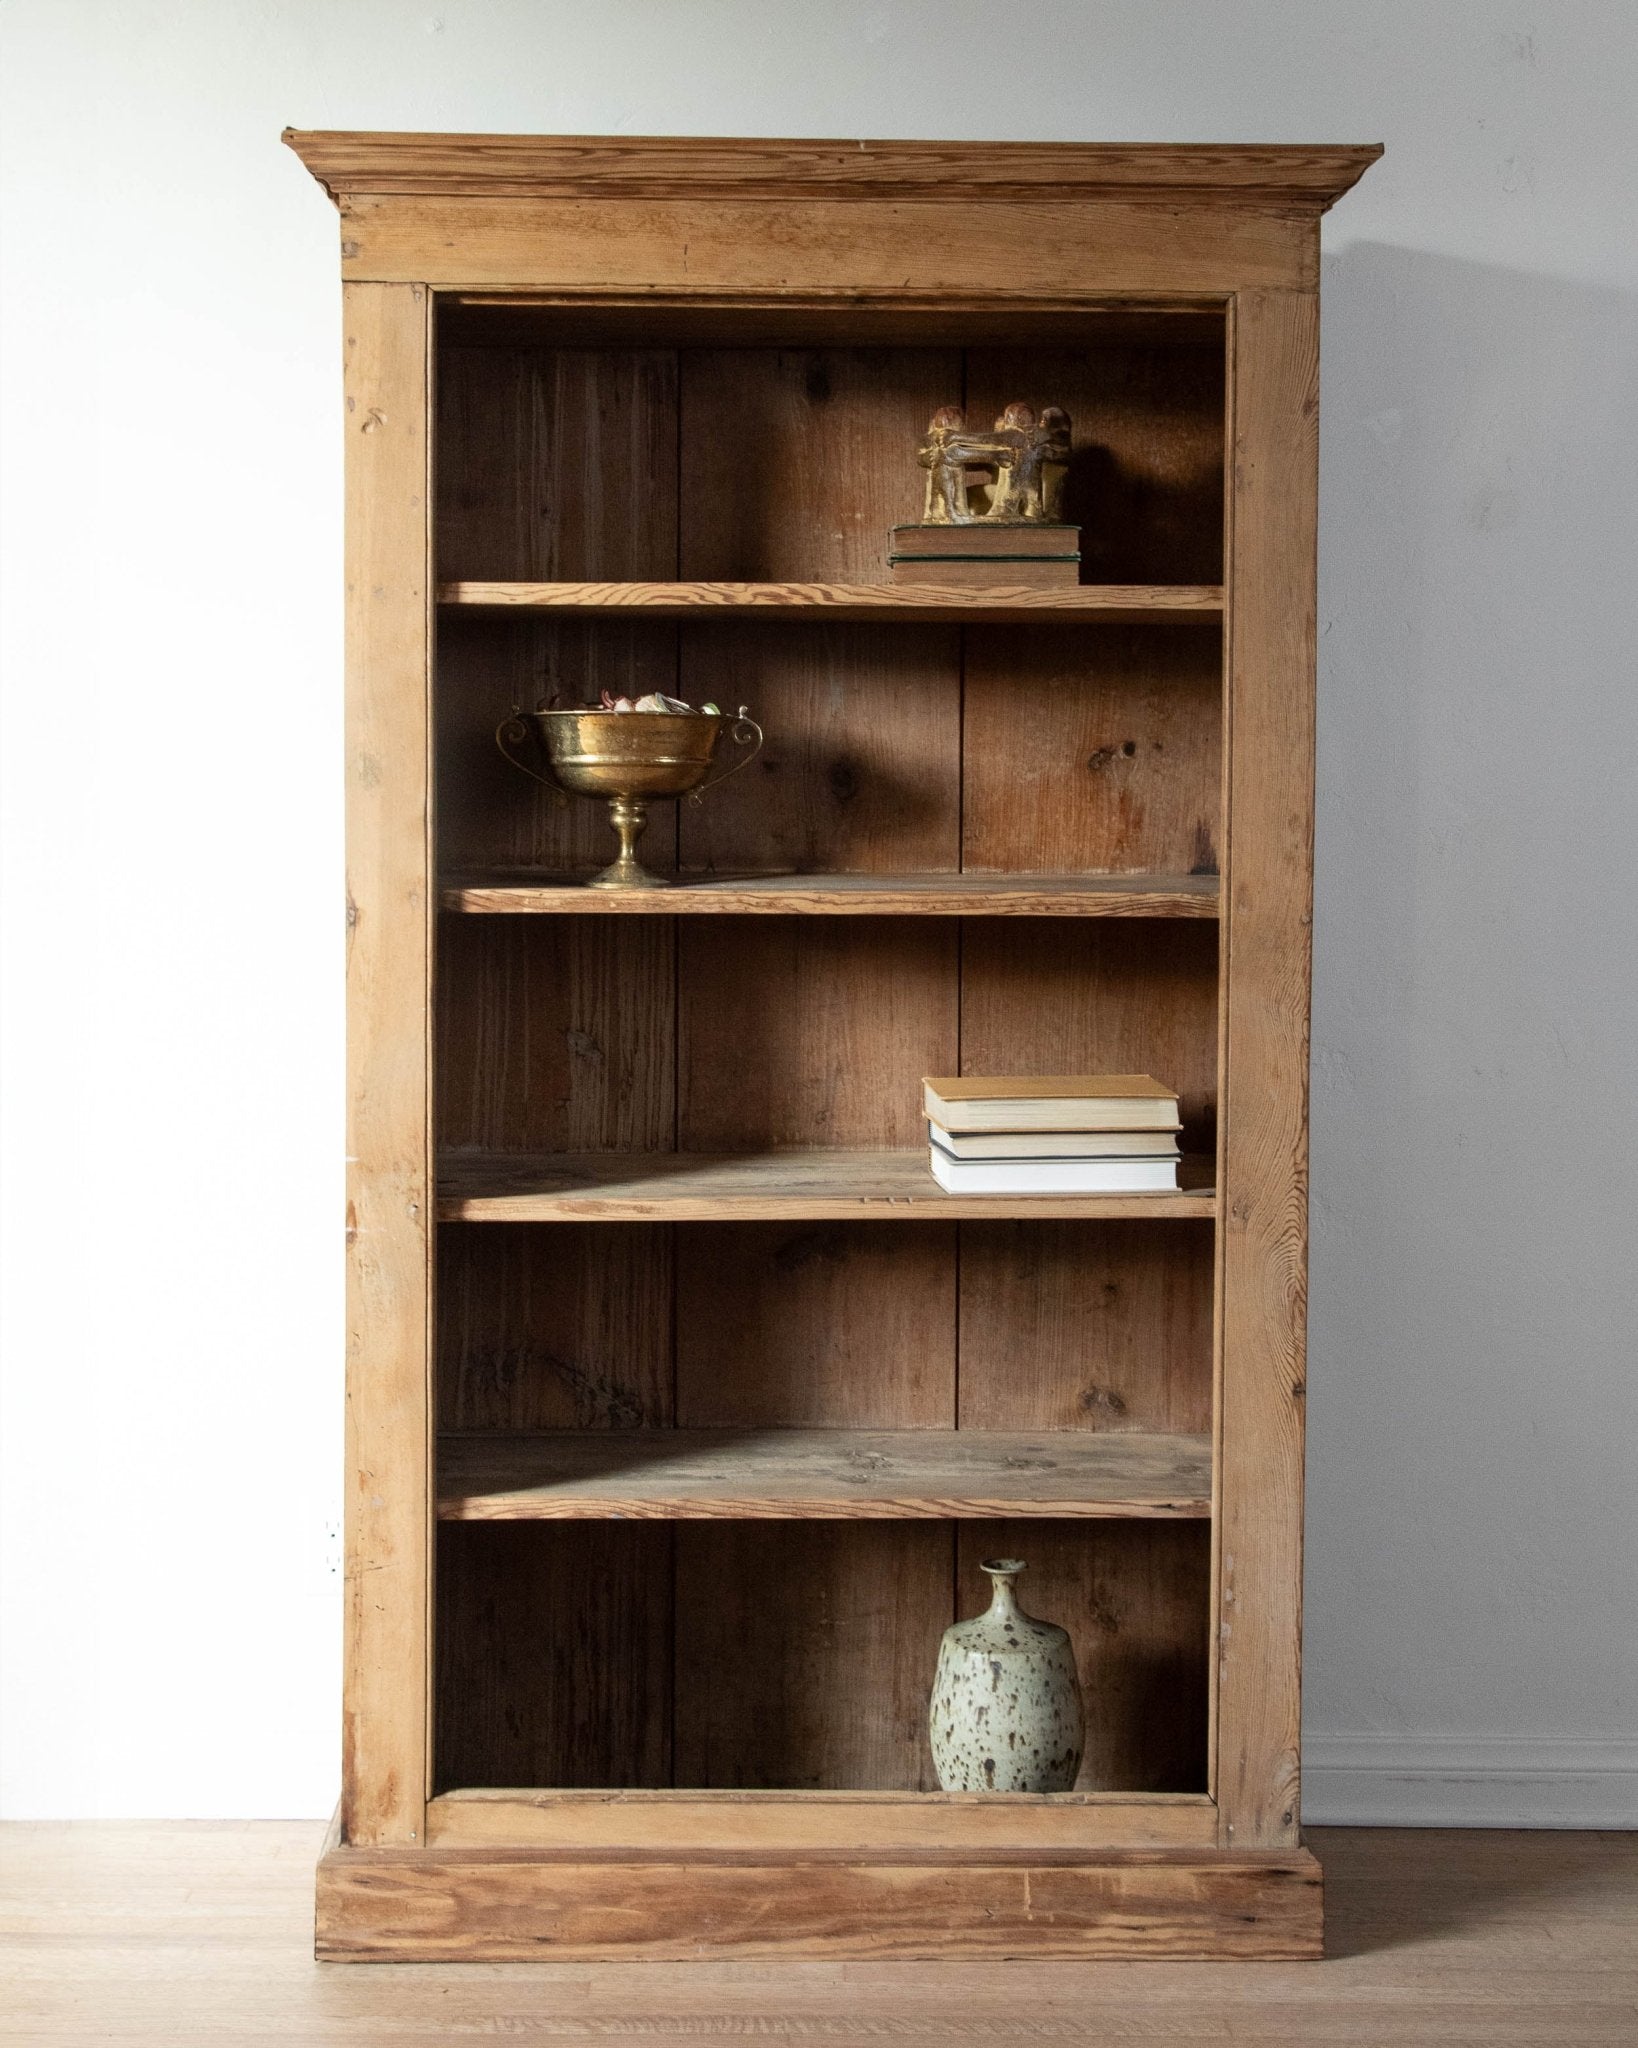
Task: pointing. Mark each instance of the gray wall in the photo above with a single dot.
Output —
(172, 810)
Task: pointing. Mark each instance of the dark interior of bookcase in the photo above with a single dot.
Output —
(792, 1654)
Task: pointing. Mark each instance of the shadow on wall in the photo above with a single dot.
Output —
(1475, 1127)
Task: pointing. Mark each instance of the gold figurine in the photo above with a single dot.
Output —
(1022, 463)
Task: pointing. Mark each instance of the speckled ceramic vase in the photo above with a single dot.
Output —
(1006, 1707)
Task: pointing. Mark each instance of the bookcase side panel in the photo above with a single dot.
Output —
(1267, 908)
(389, 964)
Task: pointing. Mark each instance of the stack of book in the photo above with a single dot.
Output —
(1035, 555)
(1053, 1134)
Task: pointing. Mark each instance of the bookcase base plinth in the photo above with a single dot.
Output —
(578, 1905)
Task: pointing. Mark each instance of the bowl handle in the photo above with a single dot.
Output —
(745, 732)
(513, 732)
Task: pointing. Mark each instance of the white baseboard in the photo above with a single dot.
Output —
(1470, 1781)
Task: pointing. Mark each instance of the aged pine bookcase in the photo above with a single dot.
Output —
(681, 1402)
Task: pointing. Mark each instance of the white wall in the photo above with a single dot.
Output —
(172, 1401)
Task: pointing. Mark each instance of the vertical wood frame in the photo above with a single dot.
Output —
(390, 899)
(1263, 1160)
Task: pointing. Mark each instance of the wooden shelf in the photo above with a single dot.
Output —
(818, 1185)
(1106, 603)
(517, 893)
(819, 1474)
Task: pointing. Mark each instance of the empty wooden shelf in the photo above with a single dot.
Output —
(857, 895)
(682, 1405)
(820, 1474)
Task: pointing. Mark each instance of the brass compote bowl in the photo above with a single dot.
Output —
(629, 757)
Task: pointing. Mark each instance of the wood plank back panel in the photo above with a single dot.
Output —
(389, 969)
(862, 765)
(1145, 482)
(489, 812)
(840, 1325)
(1268, 905)
(556, 1034)
(1136, 1600)
(1056, 996)
(1093, 1326)
(554, 1326)
(554, 1653)
(557, 464)
(552, 463)
(1090, 749)
(795, 462)
(805, 1651)
(810, 1031)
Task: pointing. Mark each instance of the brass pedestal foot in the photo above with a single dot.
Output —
(629, 817)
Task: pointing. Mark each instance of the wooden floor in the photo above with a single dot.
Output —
(199, 1933)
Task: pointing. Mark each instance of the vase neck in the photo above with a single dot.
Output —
(1003, 1576)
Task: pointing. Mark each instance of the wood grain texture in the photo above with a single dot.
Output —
(459, 1906)
(866, 602)
(554, 1654)
(1135, 1597)
(815, 248)
(1145, 482)
(1112, 738)
(521, 893)
(389, 970)
(567, 1327)
(804, 1652)
(861, 767)
(789, 1823)
(795, 462)
(631, 319)
(1290, 175)
(547, 461)
(489, 812)
(1096, 998)
(810, 1032)
(812, 1184)
(1268, 907)
(556, 1034)
(838, 1324)
(1102, 1327)
(820, 1474)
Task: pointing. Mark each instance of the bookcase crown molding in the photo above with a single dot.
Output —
(1290, 178)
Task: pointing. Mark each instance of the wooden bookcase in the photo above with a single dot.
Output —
(681, 1402)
